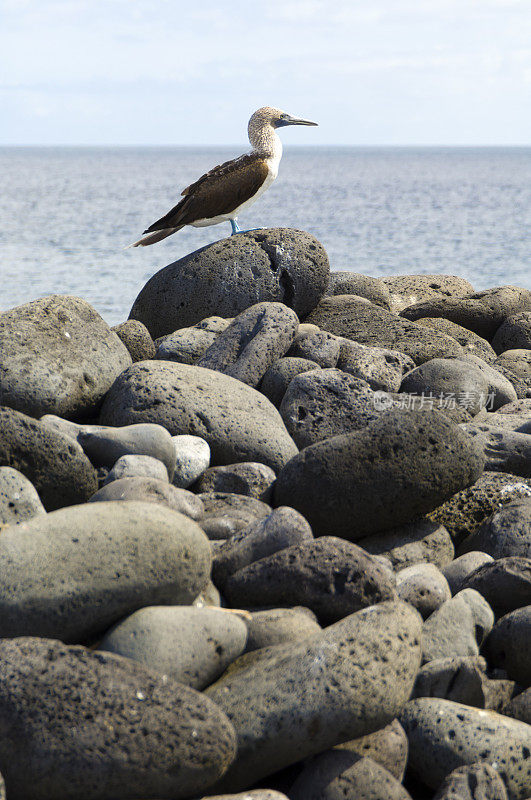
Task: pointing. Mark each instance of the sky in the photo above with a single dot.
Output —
(166, 72)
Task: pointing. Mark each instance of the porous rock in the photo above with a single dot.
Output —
(458, 570)
(500, 389)
(82, 725)
(248, 478)
(509, 645)
(382, 368)
(58, 357)
(137, 467)
(471, 343)
(136, 338)
(504, 583)
(507, 532)
(505, 450)
(408, 289)
(390, 473)
(237, 422)
(113, 557)
(372, 289)
(321, 347)
(461, 679)
(387, 746)
(228, 276)
(151, 490)
(514, 333)
(279, 626)
(422, 541)
(105, 446)
(472, 782)
(186, 346)
(192, 458)
(453, 379)
(450, 631)
(424, 587)
(19, 500)
(55, 464)
(279, 376)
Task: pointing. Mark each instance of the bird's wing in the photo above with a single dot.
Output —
(219, 191)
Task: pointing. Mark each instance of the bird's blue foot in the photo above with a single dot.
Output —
(237, 229)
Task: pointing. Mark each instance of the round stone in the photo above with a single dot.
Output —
(136, 338)
(150, 490)
(507, 646)
(19, 500)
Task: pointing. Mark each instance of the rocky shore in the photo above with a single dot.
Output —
(268, 538)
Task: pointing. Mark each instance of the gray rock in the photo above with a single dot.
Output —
(509, 645)
(218, 504)
(331, 577)
(136, 338)
(500, 389)
(382, 369)
(248, 478)
(279, 376)
(456, 380)
(224, 526)
(400, 467)
(324, 403)
(55, 464)
(473, 782)
(505, 451)
(85, 725)
(463, 513)
(362, 321)
(472, 344)
(254, 794)
(137, 467)
(105, 446)
(254, 340)
(237, 422)
(192, 458)
(444, 736)
(450, 631)
(228, 276)
(424, 587)
(19, 499)
(387, 746)
(481, 312)
(516, 366)
(66, 426)
(481, 611)
(279, 626)
(519, 707)
(344, 775)
(504, 583)
(186, 346)
(321, 347)
(151, 490)
(113, 557)
(372, 289)
(418, 542)
(283, 528)
(408, 289)
(461, 679)
(459, 570)
(514, 333)
(191, 645)
(58, 357)
(302, 698)
(507, 532)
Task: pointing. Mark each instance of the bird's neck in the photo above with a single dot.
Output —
(265, 142)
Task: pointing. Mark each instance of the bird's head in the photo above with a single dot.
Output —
(276, 118)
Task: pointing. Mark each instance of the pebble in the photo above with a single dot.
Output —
(58, 357)
(458, 571)
(424, 587)
(114, 557)
(383, 369)
(137, 467)
(248, 478)
(505, 583)
(55, 464)
(330, 576)
(106, 445)
(472, 782)
(372, 289)
(444, 735)
(226, 277)
(387, 746)
(302, 698)
(454, 380)
(19, 499)
(136, 338)
(191, 645)
(380, 477)
(151, 490)
(320, 347)
(422, 541)
(192, 458)
(279, 626)
(324, 403)
(89, 725)
(514, 333)
(509, 645)
(505, 533)
(237, 422)
(254, 340)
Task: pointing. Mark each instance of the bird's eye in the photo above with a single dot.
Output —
(283, 116)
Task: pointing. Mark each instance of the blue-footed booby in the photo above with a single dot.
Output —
(228, 189)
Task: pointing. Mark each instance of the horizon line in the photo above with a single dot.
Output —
(243, 145)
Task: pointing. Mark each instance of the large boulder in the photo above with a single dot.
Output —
(237, 422)
(79, 725)
(228, 276)
(73, 573)
(58, 357)
(54, 463)
(407, 289)
(390, 473)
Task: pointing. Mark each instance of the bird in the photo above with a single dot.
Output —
(228, 189)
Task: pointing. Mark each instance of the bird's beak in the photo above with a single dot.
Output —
(298, 121)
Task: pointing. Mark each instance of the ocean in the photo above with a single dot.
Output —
(67, 213)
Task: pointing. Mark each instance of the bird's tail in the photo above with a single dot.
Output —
(156, 236)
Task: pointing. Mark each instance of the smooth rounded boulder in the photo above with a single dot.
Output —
(508, 645)
(225, 278)
(236, 421)
(58, 357)
(505, 533)
(390, 473)
(136, 338)
(453, 380)
(151, 490)
(82, 725)
(74, 572)
(18, 497)
(105, 446)
(302, 698)
(54, 463)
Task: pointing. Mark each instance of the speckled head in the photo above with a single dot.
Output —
(274, 117)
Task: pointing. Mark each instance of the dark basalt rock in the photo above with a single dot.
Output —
(228, 276)
(136, 338)
(508, 645)
(372, 289)
(279, 376)
(505, 583)
(408, 289)
(514, 333)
